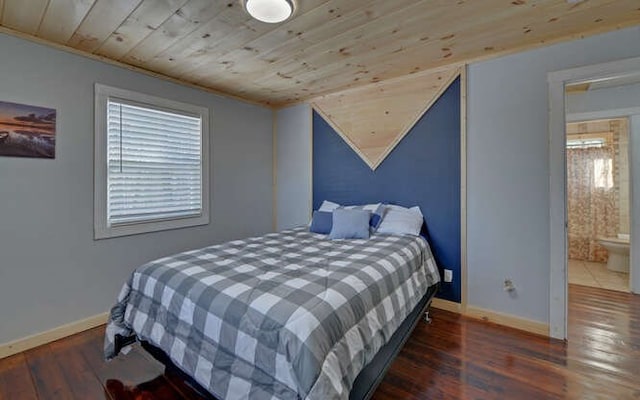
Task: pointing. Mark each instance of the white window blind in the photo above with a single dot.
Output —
(151, 163)
(154, 164)
(585, 143)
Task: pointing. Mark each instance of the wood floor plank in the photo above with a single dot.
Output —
(48, 378)
(457, 357)
(453, 358)
(77, 372)
(15, 379)
(91, 348)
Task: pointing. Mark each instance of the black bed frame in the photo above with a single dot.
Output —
(366, 382)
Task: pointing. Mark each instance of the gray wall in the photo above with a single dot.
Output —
(52, 272)
(508, 169)
(293, 126)
(612, 98)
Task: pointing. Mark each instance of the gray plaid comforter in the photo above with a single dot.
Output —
(287, 315)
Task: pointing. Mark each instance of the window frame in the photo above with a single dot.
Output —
(102, 228)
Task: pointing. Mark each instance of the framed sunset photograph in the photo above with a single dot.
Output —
(27, 131)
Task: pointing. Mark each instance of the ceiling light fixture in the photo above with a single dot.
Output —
(270, 11)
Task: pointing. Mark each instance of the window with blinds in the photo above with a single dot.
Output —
(152, 162)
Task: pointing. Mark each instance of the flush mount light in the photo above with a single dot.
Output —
(270, 11)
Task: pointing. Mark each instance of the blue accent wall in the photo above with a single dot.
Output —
(423, 169)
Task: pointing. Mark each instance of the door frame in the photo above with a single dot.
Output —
(557, 80)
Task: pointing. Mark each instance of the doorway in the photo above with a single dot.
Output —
(598, 212)
(560, 114)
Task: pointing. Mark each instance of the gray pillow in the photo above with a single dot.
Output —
(350, 224)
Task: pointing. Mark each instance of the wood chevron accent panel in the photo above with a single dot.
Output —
(373, 119)
(326, 47)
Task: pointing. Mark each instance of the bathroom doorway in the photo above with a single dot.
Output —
(598, 189)
(589, 93)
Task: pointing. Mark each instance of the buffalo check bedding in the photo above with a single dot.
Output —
(289, 315)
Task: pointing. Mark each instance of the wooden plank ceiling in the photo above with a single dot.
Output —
(328, 46)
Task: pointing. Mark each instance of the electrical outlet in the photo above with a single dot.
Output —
(508, 285)
(448, 275)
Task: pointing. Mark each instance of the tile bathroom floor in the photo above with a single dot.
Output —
(597, 275)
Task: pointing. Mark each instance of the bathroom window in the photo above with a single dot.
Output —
(585, 143)
(594, 149)
(603, 173)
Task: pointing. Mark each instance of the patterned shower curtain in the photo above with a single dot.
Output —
(592, 206)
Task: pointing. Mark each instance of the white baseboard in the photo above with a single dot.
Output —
(446, 305)
(523, 324)
(539, 328)
(29, 342)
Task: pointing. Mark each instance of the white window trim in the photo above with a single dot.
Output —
(102, 229)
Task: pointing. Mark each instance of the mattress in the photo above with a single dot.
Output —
(287, 315)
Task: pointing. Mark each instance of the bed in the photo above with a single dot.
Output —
(287, 315)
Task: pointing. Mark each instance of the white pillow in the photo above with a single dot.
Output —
(368, 207)
(328, 206)
(401, 221)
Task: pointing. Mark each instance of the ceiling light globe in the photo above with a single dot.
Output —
(269, 11)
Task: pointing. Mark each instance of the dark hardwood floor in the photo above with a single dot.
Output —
(453, 358)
